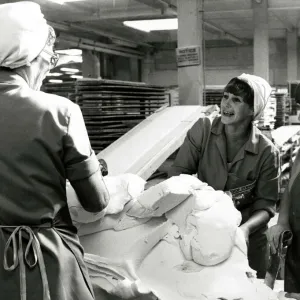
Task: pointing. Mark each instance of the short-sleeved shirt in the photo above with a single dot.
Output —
(43, 142)
(253, 175)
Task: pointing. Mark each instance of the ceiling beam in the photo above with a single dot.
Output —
(224, 34)
(81, 45)
(120, 15)
(97, 46)
(75, 27)
(289, 27)
(152, 14)
(283, 7)
(163, 6)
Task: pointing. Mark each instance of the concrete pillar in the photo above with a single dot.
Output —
(134, 69)
(147, 67)
(261, 38)
(103, 65)
(292, 55)
(90, 64)
(190, 59)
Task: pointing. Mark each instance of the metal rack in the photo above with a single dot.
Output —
(111, 108)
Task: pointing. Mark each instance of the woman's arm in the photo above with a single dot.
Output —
(283, 217)
(187, 158)
(266, 194)
(258, 220)
(282, 224)
(92, 192)
(82, 166)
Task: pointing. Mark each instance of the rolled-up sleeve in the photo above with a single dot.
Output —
(188, 156)
(79, 159)
(267, 188)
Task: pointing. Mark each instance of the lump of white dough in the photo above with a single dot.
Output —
(121, 188)
(194, 182)
(230, 284)
(208, 236)
(164, 196)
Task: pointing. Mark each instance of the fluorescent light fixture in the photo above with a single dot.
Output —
(62, 2)
(76, 76)
(71, 70)
(54, 74)
(72, 52)
(55, 81)
(152, 25)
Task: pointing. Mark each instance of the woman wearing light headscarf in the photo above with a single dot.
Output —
(43, 142)
(231, 154)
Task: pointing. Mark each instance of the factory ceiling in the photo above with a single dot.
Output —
(101, 21)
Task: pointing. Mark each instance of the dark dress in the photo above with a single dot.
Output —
(252, 176)
(292, 262)
(43, 143)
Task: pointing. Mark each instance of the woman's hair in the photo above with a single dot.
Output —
(241, 88)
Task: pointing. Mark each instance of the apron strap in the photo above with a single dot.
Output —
(15, 241)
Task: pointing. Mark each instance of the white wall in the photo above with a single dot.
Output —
(223, 63)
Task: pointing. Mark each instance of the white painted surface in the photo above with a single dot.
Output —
(144, 148)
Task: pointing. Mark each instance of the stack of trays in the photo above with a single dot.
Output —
(64, 89)
(212, 96)
(111, 108)
(280, 109)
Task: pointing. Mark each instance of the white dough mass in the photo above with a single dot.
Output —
(179, 239)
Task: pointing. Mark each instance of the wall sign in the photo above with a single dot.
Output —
(188, 56)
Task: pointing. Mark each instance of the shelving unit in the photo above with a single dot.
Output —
(287, 139)
(111, 108)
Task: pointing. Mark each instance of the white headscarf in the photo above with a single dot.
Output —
(23, 33)
(262, 91)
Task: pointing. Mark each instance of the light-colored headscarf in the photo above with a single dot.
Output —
(23, 33)
(262, 91)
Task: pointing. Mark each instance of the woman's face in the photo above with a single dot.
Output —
(234, 110)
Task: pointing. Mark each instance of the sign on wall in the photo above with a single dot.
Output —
(188, 56)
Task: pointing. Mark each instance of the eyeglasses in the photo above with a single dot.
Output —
(53, 59)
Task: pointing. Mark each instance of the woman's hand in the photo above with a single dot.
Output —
(274, 233)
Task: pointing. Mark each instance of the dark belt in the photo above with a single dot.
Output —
(242, 196)
(21, 258)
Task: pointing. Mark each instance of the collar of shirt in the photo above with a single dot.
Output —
(10, 77)
(253, 141)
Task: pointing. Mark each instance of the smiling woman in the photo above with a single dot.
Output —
(237, 103)
(231, 154)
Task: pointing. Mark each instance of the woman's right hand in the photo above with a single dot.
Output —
(274, 233)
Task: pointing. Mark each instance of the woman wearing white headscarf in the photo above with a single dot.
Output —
(231, 154)
(43, 142)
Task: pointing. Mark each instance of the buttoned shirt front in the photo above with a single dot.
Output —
(252, 176)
